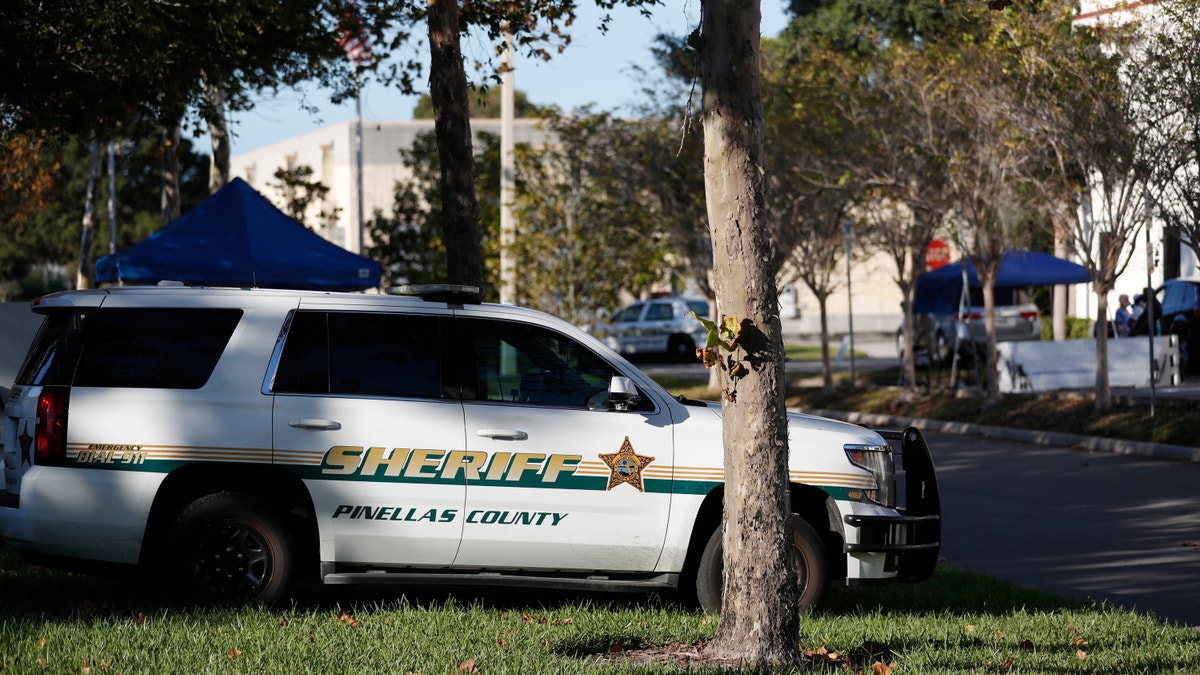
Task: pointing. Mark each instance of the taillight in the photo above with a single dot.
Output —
(51, 444)
(1029, 316)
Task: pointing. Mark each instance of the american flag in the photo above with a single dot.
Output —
(355, 39)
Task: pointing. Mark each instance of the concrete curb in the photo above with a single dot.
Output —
(1113, 445)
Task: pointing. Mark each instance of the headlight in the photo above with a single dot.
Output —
(878, 460)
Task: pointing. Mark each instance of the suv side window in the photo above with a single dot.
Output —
(530, 364)
(630, 313)
(152, 348)
(361, 354)
(660, 311)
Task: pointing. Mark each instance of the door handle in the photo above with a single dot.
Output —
(323, 425)
(502, 434)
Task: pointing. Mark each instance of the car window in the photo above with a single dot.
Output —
(1005, 297)
(630, 313)
(51, 358)
(152, 347)
(520, 363)
(362, 354)
(699, 307)
(660, 311)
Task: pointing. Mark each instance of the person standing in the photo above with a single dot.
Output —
(1123, 316)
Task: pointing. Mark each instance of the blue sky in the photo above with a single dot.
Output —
(596, 68)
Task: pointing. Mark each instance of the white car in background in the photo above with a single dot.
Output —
(935, 335)
(656, 326)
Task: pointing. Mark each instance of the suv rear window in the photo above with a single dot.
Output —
(149, 348)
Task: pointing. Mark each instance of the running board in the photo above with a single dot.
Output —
(590, 582)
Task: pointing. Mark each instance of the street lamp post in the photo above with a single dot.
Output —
(848, 231)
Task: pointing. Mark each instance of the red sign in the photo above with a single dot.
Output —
(937, 254)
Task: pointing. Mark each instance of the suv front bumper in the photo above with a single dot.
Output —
(910, 540)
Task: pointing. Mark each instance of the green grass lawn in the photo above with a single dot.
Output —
(52, 622)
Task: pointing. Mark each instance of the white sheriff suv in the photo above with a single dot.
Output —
(233, 442)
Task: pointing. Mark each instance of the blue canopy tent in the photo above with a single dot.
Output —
(940, 291)
(237, 237)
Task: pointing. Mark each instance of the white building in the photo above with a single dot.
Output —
(330, 152)
(1158, 254)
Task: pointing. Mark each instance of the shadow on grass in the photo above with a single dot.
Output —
(30, 590)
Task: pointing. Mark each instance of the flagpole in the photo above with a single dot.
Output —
(358, 152)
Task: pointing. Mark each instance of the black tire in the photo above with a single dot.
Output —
(942, 349)
(228, 548)
(812, 568)
(681, 348)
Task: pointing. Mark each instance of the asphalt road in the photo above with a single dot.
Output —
(1114, 528)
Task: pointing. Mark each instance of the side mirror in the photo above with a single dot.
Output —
(622, 393)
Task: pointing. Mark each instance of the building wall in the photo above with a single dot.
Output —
(330, 151)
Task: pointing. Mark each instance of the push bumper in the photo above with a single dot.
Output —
(911, 540)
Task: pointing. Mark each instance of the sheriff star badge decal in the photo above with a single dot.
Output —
(626, 466)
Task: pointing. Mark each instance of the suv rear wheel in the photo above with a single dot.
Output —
(812, 568)
(228, 548)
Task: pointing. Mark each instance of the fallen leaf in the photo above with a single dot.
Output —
(970, 628)
(468, 666)
(348, 619)
(42, 644)
(1081, 655)
(880, 669)
(1079, 641)
(614, 649)
(527, 618)
(234, 653)
(1006, 664)
(139, 619)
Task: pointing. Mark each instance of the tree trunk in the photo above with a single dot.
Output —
(452, 124)
(759, 622)
(908, 360)
(87, 235)
(826, 366)
(1103, 392)
(987, 280)
(171, 207)
(1058, 316)
(218, 131)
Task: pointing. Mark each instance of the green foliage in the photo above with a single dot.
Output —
(864, 26)
(300, 192)
(587, 225)
(1078, 328)
(50, 235)
(111, 67)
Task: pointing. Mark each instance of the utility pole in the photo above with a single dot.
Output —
(508, 226)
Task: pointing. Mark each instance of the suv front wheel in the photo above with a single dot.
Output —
(228, 548)
(812, 568)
